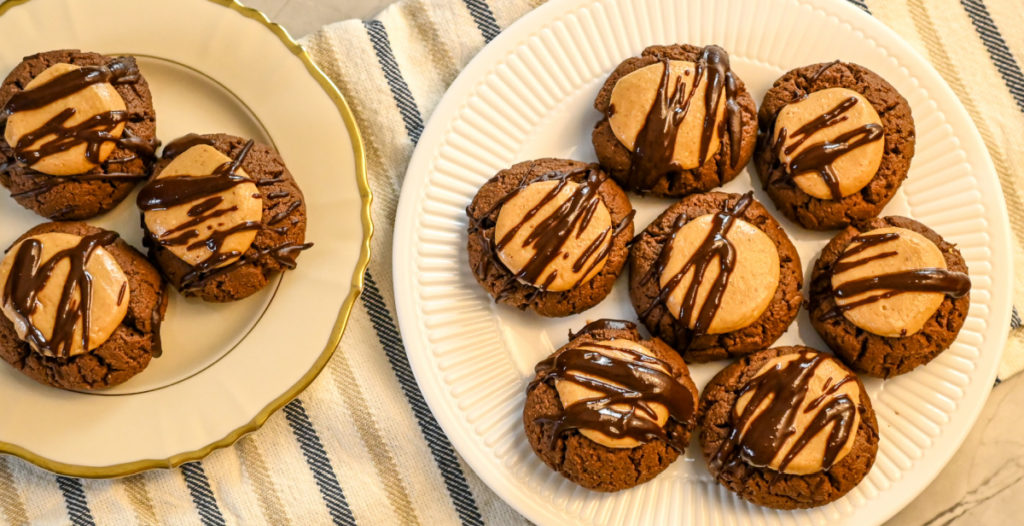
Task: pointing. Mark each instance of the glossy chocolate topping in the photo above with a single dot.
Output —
(954, 284)
(819, 157)
(179, 145)
(825, 67)
(92, 132)
(627, 389)
(604, 324)
(28, 277)
(548, 237)
(552, 232)
(655, 144)
(167, 192)
(757, 437)
(715, 246)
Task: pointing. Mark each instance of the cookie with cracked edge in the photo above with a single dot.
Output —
(496, 278)
(773, 322)
(71, 198)
(672, 181)
(584, 461)
(129, 348)
(869, 353)
(763, 485)
(280, 235)
(898, 131)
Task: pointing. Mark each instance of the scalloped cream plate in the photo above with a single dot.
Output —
(529, 94)
(213, 66)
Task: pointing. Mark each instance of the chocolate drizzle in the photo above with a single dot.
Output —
(548, 237)
(637, 382)
(766, 432)
(819, 157)
(29, 276)
(954, 284)
(181, 144)
(825, 67)
(714, 246)
(604, 324)
(654, 147)
(168, 192)
(92, 132)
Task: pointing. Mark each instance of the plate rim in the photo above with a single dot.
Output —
(449, 106)
(356, 287)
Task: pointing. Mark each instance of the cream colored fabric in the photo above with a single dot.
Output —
(360, 446)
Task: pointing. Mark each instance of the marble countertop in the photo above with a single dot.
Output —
(982, 484)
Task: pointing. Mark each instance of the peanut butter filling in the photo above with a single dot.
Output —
(901, 314)
(527, 221)
(570, 392)
(635, 93)
(89, 102)
(807, 127)
(105, 306)
(750, 287)
(829, 382)
(185, 229)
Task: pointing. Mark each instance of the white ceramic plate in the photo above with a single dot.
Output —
(212, 67)
(529, 94)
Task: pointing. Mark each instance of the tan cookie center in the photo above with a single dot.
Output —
(811, 457)
(109, 299)
(570, 392)
(905, 313)
(633, 98)
(581, 251)
(88, 102)
(750, 287)
(183, 229)
(853, 169)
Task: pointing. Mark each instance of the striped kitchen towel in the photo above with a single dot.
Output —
(360, 445)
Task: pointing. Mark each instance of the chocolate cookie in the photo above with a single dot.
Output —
(125, 304)
(878, 269)
(665, 134)
(98, 114)
(576, 416)
(748, 289)
(549, 235)
(765, 452)
(222, 215)
(835, 143)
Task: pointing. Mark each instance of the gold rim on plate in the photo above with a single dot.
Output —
(130, 468)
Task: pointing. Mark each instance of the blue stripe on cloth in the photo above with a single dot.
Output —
(74, 499)
(861, 4)
(440, 448)
(202, 494)
(1015, 322)
(997, 49)
(319, 464)
(484, 18)
(399, 89)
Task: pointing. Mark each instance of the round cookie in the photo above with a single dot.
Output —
(124, 342)
(647, 150)
(866, 145)
(566, 249)
(566, 436)
(754, 311)
(65, 185)
(224, 219)
(748, 450)
(924, 335)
